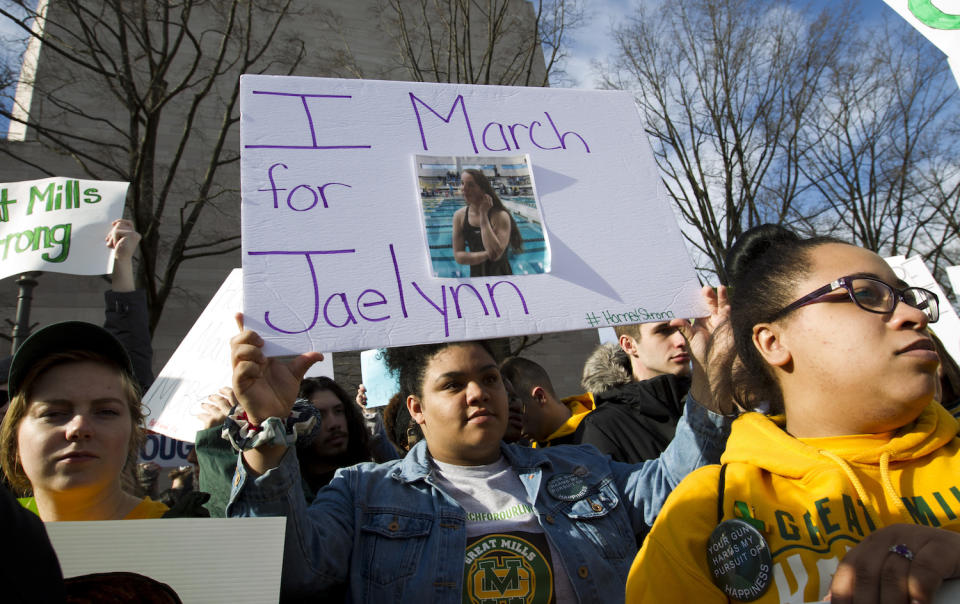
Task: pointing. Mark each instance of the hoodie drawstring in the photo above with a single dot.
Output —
(888, 487)
(885, 480)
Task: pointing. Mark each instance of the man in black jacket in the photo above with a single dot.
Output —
(639, 399)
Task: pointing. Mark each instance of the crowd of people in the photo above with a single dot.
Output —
(799, 443)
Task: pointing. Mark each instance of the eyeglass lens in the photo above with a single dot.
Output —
(880, 297)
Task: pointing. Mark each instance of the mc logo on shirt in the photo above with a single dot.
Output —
(508, 569)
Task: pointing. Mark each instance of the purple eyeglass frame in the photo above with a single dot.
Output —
(847, 283)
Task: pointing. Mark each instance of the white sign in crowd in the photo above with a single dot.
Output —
(939, 26)
(58, 224)
(338, 246)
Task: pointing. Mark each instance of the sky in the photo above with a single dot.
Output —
(12, 43)
(594, 41)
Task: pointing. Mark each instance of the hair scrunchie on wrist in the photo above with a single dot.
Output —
(245, 435)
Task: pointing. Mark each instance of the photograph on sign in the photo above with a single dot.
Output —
(333, 224)
(481, 217)
(58, 224)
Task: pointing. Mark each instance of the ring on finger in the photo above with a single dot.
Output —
(902, 550)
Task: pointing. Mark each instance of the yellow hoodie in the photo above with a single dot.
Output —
(579, 405)
(812, 499)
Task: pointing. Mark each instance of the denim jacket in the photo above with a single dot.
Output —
(391, 535)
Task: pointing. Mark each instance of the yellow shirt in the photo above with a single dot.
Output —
(147, 508)
(579, 406)
(812, 499)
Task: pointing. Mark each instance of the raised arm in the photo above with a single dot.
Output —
(125, 308)
(216, 459)
(698, 334)
(318, 542)
(494, 230)
(701, 434)
(265, 387)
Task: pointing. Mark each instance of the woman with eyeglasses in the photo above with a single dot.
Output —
(844, 482)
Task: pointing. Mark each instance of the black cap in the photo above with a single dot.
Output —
(64, 337)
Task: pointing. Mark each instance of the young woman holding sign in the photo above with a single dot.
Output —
(485, 226)
(847, 484)
(463, 513)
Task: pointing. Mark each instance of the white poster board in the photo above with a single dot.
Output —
(200, 366)
(58, 224)
(936, 23)
(953, 273)
(336, 249)
(200, 558)
(915, 273)
(164, 451)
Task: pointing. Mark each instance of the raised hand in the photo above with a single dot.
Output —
(698, 334)
(123, 238)
(486, 204)
(217, 407)
(265, 387)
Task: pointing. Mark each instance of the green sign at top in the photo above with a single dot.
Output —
(932, 16)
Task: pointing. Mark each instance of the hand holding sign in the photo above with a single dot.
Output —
(216, 408)
(698, 335)
(123, 239)
(265, 387)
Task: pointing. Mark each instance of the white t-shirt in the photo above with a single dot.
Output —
(508, 555)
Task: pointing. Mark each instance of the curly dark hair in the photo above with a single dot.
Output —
(410, 363)
(398, 424)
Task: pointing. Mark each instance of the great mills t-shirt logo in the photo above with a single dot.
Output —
(508, 568)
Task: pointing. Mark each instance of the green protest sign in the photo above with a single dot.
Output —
(58, 224)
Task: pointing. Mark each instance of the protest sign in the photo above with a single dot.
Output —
(608, 336)
(345, 213)
(200, 366)
(942, 28)
(953, 273)
(380, 383)
(916, 274)
(58, 224)
(196, 557)
(164, 451)
(948, 593)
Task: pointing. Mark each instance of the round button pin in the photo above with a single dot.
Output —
(567, 487)
(739, 560)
